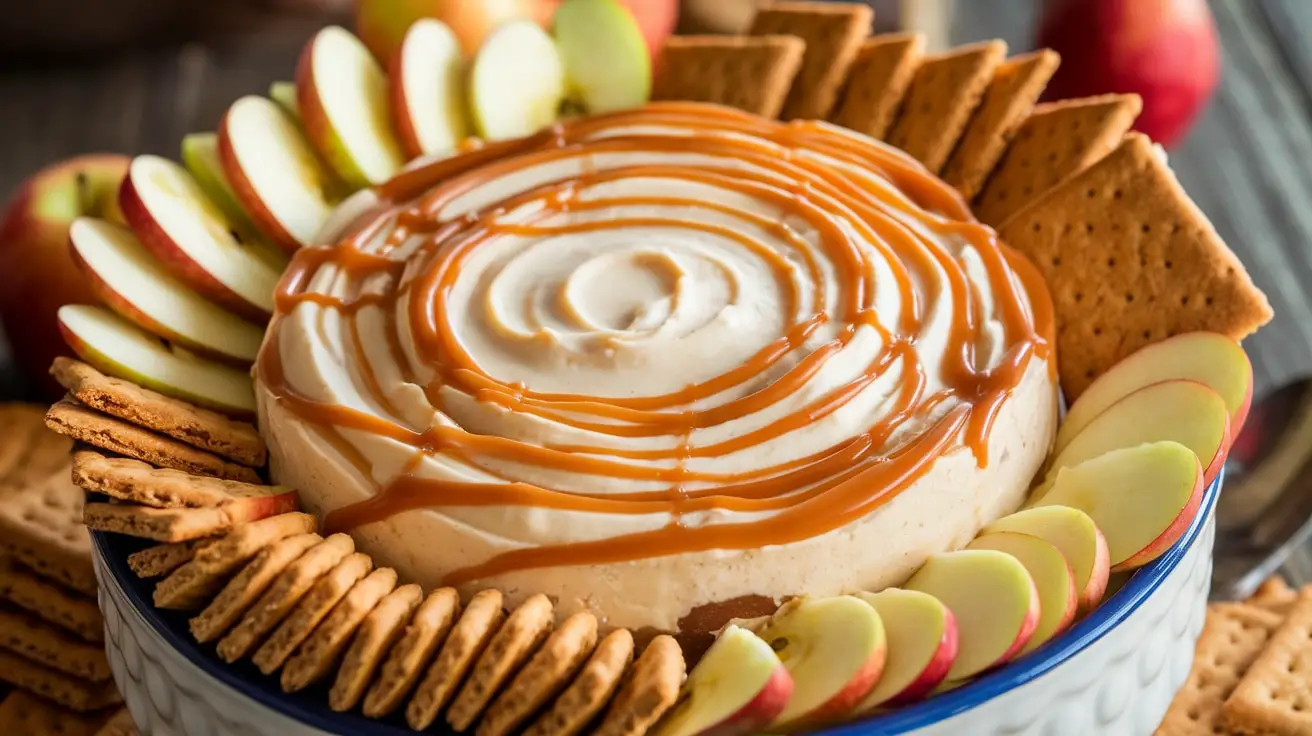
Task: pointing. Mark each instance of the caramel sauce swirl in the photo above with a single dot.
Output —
(695, 328)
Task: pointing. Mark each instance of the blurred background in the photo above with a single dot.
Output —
(135, 76)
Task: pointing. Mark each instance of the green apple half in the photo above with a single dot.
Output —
(517, 82)
(607, 65)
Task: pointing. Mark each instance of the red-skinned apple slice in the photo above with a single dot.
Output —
(1183, 411)
(738, 687)
(132, 283)
(993, 599)
(274, 172)
(1142, 498)
(1209, 358)
(834, 648)
(1077, 536)
(200, 154)
(341, 96)
(922, 643)
(195, 241)
(428, 91)
(1052, 575)
(121, 349)
(516, 83)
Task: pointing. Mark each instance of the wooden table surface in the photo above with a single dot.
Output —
(1246, 163)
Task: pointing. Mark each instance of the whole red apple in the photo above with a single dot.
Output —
(37, 273)
(381, 24)
(1164, 50)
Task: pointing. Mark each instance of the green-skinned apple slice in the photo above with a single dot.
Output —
(341, 95)
(200, 154)
(607, 65)
(738, 687)
(132, 283)
(284, 93)
(119, 348)
(274, 172)
(516, 83)
(428, 90)
(195, 241)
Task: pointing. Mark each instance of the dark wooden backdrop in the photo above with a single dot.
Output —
(1248, 163)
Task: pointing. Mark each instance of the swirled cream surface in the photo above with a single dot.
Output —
(667, 365)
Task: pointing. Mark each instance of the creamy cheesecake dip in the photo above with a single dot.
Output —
(670, 365)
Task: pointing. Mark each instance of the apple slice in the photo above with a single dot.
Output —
(517, 82)
(1074, 533)
(738, 687)
(200, 154)
(1187, 412)
(1142, 498)
(195, 241)
(1209, 358)
(274, 172)
(284, 93)
(1052, 576)
(834, 649)
(993, 599)
(428, 91)
(121, 349)
(922, 643)
(130, 282)
(341, 94)
(607, 66)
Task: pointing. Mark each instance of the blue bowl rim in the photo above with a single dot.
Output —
(314, 711)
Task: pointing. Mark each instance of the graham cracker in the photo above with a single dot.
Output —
(131, 480)
(41, 527)
(317, 655)
(50, 602)
(377, 634)
(43, 643)
(192, 584)
(1275, 694)
(311, 610)
(175, 524)
(1233, 635)
(468, 638)
(1130, 260)
(878, 81)
(752, 73)
(246, 586)
(945, 91)
(1009, 99)
(650, 689)
(282, 596)
(550, 670)
(28, 451)
(1056, 141)
(161, 559)
(68, 691)
(119, 724)
(411, 656)
(200, 428)
(87, 425)
(518, 638)
(833, 33)
(24, 714)
(590, 691)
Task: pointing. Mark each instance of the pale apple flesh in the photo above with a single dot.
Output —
(200, 154)
(737, 688)
(131, 282)
(993, 599)
(607, 66)
(341, 97)
(274, 172)
(119, 348)
(922, 644)
(1209, 358)
(516, 83)
(1077, 536)
(428, 91)
(1187, 412)
(1052, 576)
(834, 649)
(1143, 498)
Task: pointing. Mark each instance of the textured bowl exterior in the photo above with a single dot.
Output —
(1115, 672)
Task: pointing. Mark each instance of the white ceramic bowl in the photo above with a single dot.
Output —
(1114, 672)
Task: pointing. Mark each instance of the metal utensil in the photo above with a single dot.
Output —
(1264, 515)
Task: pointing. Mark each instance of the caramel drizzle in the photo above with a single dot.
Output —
(857, 220)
